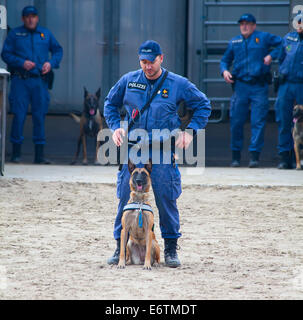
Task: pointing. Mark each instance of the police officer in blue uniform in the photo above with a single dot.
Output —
(251, 57)
(133, 91)
(26, 52)
(290, 92)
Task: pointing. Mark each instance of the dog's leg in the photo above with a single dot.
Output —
(149, 242)
(157, 252)
(97, 148)
(297, 152)
(123, 243)
(78, 150)
(84, 150)
(128, 253)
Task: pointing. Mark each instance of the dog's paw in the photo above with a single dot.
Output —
(147, 267)
(121, 266)
(299, 168)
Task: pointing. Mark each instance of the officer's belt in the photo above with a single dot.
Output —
(137, 206)
(253, 81)
(293, 81)
(25, 75)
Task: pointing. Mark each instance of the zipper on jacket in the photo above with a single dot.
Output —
(150, 90)
(246, 53)
(32, 43)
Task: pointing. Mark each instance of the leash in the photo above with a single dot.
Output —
(136, 114)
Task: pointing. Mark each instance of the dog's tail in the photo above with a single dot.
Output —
(76, 118)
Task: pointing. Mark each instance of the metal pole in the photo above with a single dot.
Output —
(3, 122)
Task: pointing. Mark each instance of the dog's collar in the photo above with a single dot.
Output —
(138, 206)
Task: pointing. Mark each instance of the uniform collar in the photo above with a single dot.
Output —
(299, 36)
(38, 29)
(250, 37)
(146, 80)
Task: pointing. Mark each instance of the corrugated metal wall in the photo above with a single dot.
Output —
(100, 39)
(220, 25)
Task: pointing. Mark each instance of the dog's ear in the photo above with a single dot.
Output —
(148, 166)
(98, 93)
(85, 92)
(131, 166)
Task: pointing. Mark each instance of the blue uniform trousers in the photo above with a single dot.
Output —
(23, 92)
(245, 95)
(166, 184)
(289, 94)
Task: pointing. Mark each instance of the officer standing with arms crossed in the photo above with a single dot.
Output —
(290, 92)
(26, 52)
(251, 57)
(133, 91)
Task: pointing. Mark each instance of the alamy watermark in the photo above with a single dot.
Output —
(158, 145)
(298, 19)
(3, 17)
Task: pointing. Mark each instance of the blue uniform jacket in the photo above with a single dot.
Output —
(248, 54)
(133, 91)
(22, 44)
(291, 57)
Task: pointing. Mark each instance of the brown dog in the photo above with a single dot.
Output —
(297, 133)
(91, 122)
(142, 246)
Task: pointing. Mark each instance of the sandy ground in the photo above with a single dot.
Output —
(238, 243)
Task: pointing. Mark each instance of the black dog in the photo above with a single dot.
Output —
(91, 122)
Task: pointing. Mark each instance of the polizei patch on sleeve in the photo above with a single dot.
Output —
(136, 85)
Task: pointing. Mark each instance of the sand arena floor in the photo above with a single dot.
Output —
(240, 240)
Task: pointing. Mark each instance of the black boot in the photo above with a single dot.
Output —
(254, 159)
(285, 160)
(236, 156)
(16, 153)
(39, 155)
(115, 258)
(170, 253)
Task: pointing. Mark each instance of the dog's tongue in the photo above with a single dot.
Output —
(91, 112)
(139, 188)
(295, 120)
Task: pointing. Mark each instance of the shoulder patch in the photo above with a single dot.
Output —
(136, 85)
(165, 93)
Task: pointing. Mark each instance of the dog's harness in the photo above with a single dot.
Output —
(138, 206)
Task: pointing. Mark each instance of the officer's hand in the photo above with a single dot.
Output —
(268, 60)
(227, 76)
(117, 136)
(184, 139)
(28, 65)
(46, 68)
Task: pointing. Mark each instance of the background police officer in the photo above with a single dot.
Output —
(250, 53)
(133, 91)
(26, 52)
(290, 90)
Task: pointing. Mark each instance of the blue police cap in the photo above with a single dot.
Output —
(149, 50)
(29, 10)
(247, 17)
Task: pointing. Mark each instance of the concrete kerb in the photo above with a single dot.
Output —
(244, 177)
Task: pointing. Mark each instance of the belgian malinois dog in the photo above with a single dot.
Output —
(91, 122)
(297, 134)
(137, 223)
